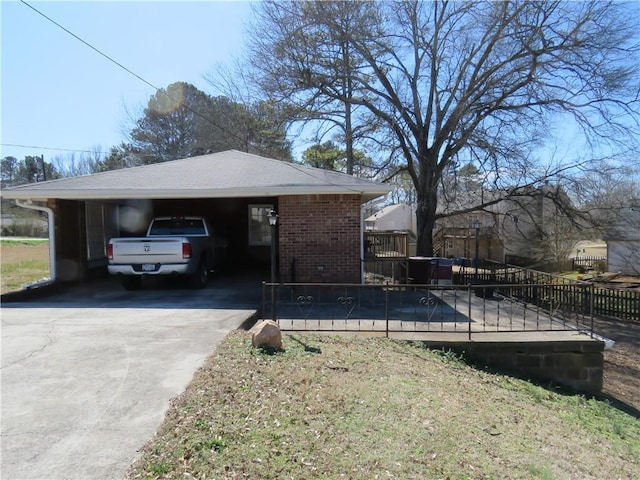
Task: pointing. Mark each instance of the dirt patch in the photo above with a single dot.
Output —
(622, 363)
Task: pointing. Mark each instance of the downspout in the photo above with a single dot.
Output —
(52, 242)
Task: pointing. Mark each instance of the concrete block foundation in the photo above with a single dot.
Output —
(577, 365)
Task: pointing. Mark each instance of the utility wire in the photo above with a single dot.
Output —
(72, 150)
(90, 46)
(157, 89)
(37, 147)
(206, 119)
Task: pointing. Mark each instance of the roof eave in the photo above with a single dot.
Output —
(368, 193)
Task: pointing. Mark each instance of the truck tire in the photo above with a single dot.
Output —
(131, 282)
(199, 279)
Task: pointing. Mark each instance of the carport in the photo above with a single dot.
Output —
(319, 236)
(88, 374)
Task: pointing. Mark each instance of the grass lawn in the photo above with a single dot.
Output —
(22, 261)
(366, 408)
(572, 275)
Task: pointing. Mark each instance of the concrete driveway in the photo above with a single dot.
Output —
(87, 375)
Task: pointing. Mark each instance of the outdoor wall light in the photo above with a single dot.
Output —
(273, 218)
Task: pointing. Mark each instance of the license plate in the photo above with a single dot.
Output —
(148, 267)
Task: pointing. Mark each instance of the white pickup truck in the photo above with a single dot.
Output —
(173, 246)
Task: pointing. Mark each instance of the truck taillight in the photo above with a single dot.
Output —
(186, 250)
(110, 251)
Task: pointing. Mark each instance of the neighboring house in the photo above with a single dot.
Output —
(506, 231)
(399, 217)
(319, 233)
(511, 231)
(623, 242)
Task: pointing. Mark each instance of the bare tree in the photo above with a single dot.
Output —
(85, 163)
(553, 232)
(467, 82)
(605, 194)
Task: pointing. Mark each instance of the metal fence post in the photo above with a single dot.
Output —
(469, 291)
(386, 308)
(591, 294)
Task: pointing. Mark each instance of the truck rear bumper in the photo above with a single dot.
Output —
(172, 269)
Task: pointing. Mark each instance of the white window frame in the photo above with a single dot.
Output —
(264, 227)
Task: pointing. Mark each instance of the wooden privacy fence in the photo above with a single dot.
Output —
(587, 297)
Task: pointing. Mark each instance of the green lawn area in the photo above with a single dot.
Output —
(22, 261)
(365, 408)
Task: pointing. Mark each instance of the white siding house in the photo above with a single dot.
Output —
(623, 243)
(400, 217)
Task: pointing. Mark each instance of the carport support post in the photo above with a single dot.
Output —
(273, 222)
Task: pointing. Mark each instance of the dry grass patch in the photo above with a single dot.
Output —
(22, 261)
(338, 407)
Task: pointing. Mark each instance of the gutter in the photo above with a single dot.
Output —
(367, 193)
(52, 243)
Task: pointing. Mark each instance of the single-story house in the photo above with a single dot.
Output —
(319, 231)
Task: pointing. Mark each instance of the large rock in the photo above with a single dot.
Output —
(267, 335)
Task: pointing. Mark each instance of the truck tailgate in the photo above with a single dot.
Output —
(146, 250)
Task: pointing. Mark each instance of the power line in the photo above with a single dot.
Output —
(71, 150)
(157, 89)
(38, 147)
(90, 46)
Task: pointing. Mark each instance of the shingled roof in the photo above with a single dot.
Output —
(217, 175)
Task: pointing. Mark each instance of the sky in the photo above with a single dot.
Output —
(57, 94)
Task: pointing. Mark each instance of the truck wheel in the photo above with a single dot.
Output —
(201, 277)
(131, 283)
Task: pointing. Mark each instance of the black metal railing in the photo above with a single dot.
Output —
(462, 310)
(620, 304)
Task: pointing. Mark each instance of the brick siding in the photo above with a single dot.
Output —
(319, 238)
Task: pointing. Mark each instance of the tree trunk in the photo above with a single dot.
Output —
(348, 133)
(427, 199)
(426, 220)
